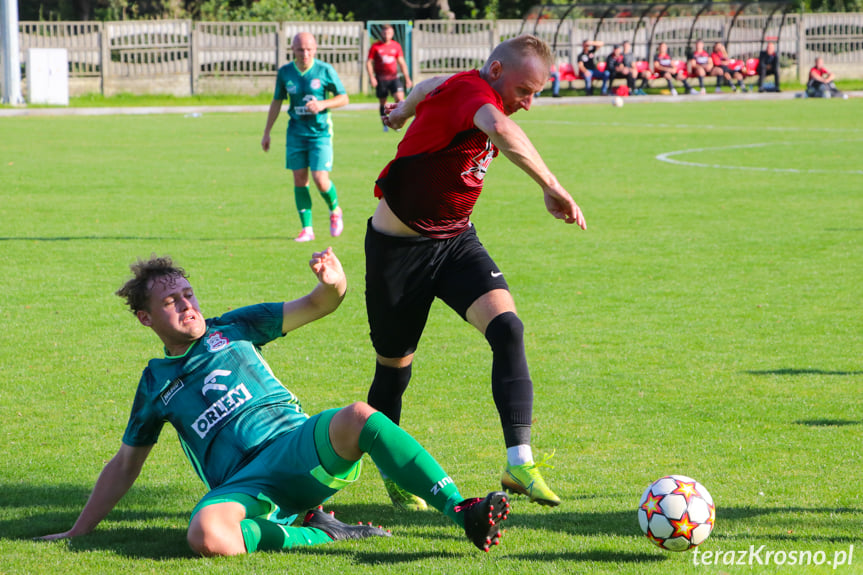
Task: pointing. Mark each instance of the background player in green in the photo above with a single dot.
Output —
(306, 82)
(263, 459)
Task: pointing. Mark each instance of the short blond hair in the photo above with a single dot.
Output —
(519, 48)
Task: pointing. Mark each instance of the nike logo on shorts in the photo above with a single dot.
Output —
(495, 274)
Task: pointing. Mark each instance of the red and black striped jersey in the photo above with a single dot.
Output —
(436, 177)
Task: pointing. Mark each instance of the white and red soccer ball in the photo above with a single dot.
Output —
(676, 513)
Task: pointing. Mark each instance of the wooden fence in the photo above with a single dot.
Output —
(183, 57)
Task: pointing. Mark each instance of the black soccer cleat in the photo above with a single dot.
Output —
(482, 518)
(320, 519)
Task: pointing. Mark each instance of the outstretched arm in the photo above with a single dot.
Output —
(114, 482)
(396, 115)
(517, 147)
(324, 298)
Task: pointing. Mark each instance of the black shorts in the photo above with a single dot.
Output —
(405, 275)
(389, 87)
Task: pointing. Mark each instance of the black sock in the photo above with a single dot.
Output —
(388, 386)
(382, 111)
(510, 379)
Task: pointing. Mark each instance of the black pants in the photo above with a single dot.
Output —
(765, 70)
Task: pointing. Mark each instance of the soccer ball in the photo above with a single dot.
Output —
(617, 102)
(676, 513)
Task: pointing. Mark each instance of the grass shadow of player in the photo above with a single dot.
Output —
(47, 509)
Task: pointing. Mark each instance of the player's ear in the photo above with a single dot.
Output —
(495, 70)
(144, 318)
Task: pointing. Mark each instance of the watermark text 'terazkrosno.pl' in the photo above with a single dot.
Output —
(761, 555)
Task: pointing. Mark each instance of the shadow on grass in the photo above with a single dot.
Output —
(794, 371)
(785, 518)
(46, 509)
(124, 238)
(386, 558)
(827, 422)
(144, 534)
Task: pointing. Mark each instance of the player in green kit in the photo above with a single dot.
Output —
(306, 83)
(263, 460)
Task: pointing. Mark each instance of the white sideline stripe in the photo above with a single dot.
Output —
(748, 128)
(666, 157)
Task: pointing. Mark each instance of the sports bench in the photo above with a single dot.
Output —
(568, 73)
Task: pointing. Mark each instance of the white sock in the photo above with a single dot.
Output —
(519, 455)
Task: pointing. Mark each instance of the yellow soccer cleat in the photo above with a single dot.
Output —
(527, 480)
(403, 499)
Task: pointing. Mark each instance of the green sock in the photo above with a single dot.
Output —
(262, 535)
(304, 205)
(401, 458)
(331, 197)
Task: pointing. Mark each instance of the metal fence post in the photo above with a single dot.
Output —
(801, 48)
(194, 58)
(281, 45)
(104, 57)
(364, 50)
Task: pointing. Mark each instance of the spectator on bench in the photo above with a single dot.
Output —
(555, 81)
(629, 62)
(616, 66)
(588, 69)
(723, 62)
(768, 63)
(821, 84)
(665, 68)
(701, 65)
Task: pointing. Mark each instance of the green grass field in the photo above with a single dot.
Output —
(707, 323)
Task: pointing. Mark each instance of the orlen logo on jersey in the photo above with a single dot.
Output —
(221, 409)
(481, 162)
(216, 341)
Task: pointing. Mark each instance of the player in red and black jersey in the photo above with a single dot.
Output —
(421, 245)
(820, 84)
(723, 62)
(385, 59)
(701, 65)
(666, 68)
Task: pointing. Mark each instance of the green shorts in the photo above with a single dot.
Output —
(305, 152)
(288, 477)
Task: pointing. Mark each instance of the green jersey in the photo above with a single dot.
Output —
(301, 87)
(220, 396)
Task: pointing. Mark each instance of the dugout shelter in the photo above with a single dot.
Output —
(744, 27)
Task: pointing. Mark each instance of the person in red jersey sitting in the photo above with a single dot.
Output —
(722, 62)
(821, 84)
(701, 65)
(667, 69)
(421, 245)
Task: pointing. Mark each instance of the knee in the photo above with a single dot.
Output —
(322, 180)
(505, 329)
(358, 412)
(213, 542)
(396, 362)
